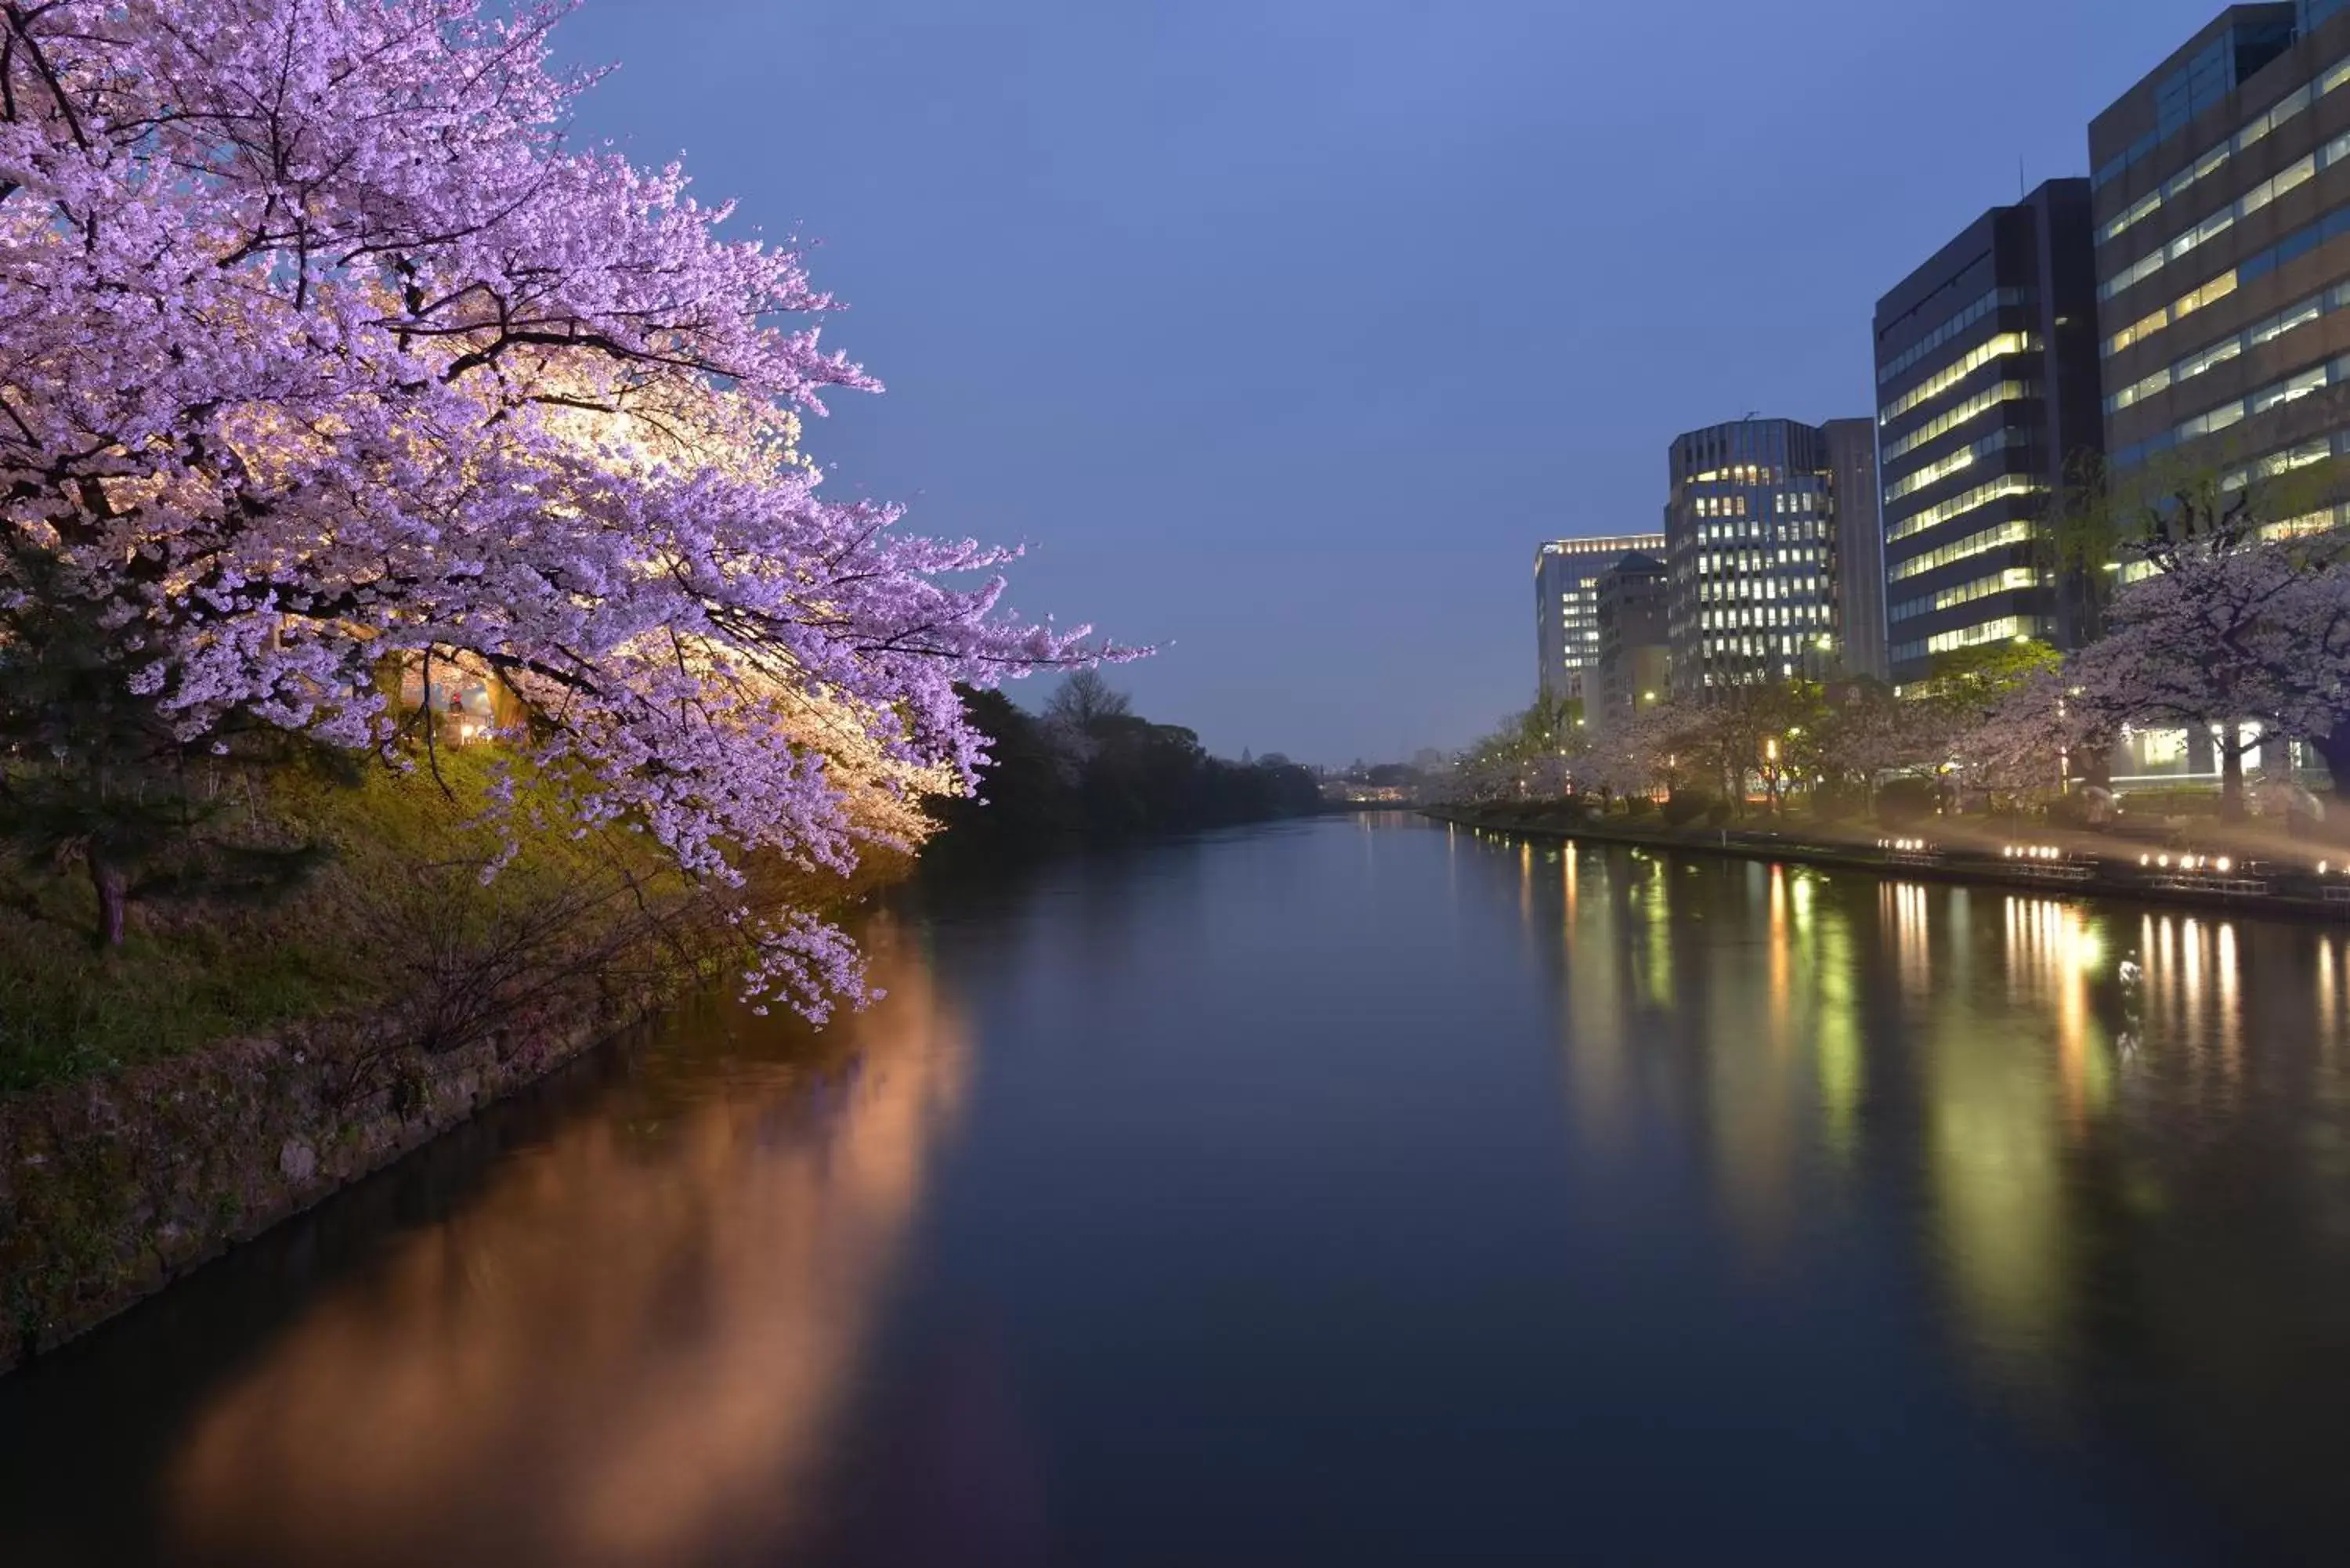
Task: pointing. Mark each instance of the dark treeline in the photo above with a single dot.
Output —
(1090, 770)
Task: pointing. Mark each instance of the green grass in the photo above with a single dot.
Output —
(402, 889)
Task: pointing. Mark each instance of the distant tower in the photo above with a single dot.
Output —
(1566, 607)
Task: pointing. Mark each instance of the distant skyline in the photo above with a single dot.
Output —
(1283, 331)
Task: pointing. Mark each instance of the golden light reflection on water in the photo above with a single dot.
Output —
(2329, 993)
(1843, 1065)
(1906, 908)
(1984, 1036)
(1782, 955)
(629, 1348)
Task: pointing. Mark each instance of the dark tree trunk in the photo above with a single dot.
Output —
(113, 899)
(2335, 749)
(2231, 774)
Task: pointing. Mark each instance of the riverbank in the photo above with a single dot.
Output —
(232, 1066)
(2239, 871)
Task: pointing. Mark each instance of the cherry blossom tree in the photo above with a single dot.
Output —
(323, 348)
(1866, 734)
(1532, 754)
(2032, 738)
(2228, 627)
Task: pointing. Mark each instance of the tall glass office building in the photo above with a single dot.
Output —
(1987, 410)
(1751, 541)
(2221, 207)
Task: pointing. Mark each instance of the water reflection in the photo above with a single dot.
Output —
(630, 1349)
(2057, 1094)
(1348, 1192)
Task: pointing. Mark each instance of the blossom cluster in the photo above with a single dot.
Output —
(321, 346)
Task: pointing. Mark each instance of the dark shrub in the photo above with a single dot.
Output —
(1688, 805)
(1906, 800)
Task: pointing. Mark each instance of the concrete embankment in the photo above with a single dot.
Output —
(2296, 883)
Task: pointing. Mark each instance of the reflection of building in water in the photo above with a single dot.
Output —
(2329, 994)
(1594, 970)
(629, 1349)
(1906, 918)
(2194, 994)
(2092, 1255)
(1996, 1129)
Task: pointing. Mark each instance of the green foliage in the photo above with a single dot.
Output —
(1527, 754)
(94, 781)
(1689, 806)
(1090, 770)
(396, 909)
(1904, 801)
(1976, 677)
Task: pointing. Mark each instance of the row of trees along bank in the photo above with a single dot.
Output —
(2220, 595)
(335, 370)
(1090, 770)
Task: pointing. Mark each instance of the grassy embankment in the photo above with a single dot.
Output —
(397, 917)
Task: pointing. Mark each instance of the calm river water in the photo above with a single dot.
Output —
(1352, 1192)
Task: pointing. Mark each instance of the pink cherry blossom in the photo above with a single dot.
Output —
(322, 346)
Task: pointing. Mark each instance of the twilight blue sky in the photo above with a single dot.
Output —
(1282, 330)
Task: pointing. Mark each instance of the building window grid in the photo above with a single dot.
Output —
(2206, 356)
(1974, 407)
(2015, 579)
(2286, 389)
(1949, 376)
(2332, 225)
(2254, 130)
(2179, 246)
(1981, 495)
(1957, 462)
(1997, 299)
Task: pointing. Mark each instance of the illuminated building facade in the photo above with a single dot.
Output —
(1566, 606)
(2221, 205)
(2220, 202)
(1987, 396)
(1751, 544)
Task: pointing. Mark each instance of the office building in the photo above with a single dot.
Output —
(1750, 544)
(1566, 626)
(2222, 204)
(1633, 608)
(1988, 414)
(1859, 546)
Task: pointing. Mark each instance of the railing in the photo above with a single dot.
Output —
(1909, 852)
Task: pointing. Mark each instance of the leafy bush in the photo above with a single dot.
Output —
(1689, 806)
(397, 912)
(1906, 800)
(1838, 802)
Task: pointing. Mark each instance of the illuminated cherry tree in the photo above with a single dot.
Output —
(322, 349)
(2235, 624)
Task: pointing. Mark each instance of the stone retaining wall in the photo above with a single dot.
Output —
(111, 1189)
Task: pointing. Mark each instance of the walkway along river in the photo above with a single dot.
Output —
(1352, 1191)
